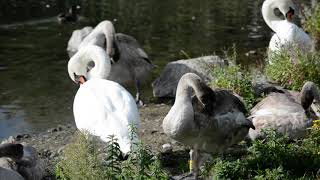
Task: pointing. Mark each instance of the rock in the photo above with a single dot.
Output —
(167, 148)
(165, 85)
(9, 174)
(76, 38)
(30, 166)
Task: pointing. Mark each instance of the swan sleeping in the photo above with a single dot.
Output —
(131, 62)
(288, 112)
(209, 122)
(287, 34)
(101, 107)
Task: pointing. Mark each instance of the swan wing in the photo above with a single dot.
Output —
(129, 48)
(105, 108)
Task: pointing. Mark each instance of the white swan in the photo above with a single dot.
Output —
(287, 34)
(102, 107)
(210, 122)
(288, 112)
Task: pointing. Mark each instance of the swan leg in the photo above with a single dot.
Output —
(194, 162)
(138, 87)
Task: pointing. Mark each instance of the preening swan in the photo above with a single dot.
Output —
(101, 107)
(131, 62)
(288, 113)
(287, 34)
(210, 121)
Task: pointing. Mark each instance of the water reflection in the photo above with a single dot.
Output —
(35, 90)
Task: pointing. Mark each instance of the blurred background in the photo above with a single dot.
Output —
(35, 90)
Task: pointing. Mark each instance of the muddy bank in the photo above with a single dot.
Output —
(50, 144)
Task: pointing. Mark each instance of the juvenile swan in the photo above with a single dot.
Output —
(288, 113)
(209, 122)
(101, 107)
(286, 32)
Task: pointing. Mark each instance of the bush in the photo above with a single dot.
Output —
(275, 157)
(292, 71)
(83, 160)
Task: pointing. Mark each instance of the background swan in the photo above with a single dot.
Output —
(101, 107)
(210, 121)
(287, 34)
(288, 113)
(132, 64)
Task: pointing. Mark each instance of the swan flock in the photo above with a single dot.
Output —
(202, 118)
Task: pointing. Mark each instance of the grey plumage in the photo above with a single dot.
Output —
(288, 112)
(209, 121)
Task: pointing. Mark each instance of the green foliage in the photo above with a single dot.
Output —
(82, 160)
(292, 71)
(275, 157)
(234, 78)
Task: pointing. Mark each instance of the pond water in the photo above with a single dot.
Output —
(35, 90)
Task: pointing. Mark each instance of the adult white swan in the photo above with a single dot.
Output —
(101, 107)
(287, 34)
(209, 122)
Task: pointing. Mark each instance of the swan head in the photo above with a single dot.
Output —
(285, 7)
(89, 62)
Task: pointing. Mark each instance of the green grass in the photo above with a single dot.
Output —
(292, 71)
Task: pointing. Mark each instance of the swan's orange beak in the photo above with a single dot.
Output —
(82, 79)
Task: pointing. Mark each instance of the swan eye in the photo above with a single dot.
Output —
(90, 65)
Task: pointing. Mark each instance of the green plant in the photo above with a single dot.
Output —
(274, 157)
(82, 160)
(291, 71)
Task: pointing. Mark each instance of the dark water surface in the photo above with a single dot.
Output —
(35, 90)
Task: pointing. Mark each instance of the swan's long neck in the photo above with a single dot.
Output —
(268, 13)
(192, 81)
(79, 63)
(309, 93)
(108, 30)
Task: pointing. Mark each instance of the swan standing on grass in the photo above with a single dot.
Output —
(101, 107)
(287, 34)
(288, 113)
(209, 122)
(131, 63)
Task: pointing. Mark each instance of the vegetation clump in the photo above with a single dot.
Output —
(275, 157)
(292, 71)
(84, 159)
